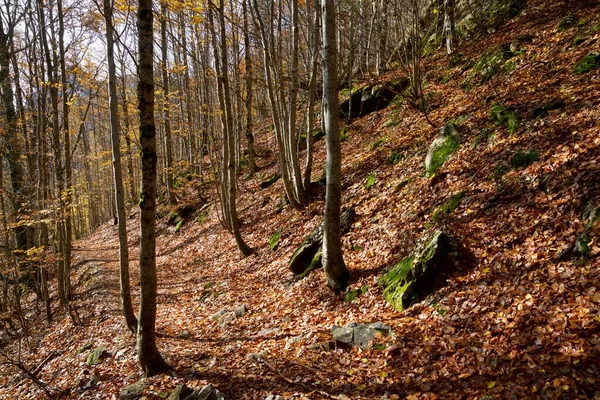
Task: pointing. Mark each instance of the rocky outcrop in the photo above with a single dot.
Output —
(372, 98)
(308, 255)
(418, 275)
(441, 148)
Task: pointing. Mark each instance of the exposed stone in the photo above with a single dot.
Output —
(360, 335)
(182, 392)
(417, 275)
(240, 311)
(133, 391)
(308, 255)
(441, 148)
(96, 356)
(372, 98)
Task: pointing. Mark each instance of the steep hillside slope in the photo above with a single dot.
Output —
(523, 321)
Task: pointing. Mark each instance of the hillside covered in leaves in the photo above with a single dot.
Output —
(519, 316)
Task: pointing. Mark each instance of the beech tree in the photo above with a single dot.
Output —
(336, 272)
(149, 358)
(115, 135)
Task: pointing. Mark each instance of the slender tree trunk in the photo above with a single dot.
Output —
(228, 159)
(249, 92)
(312, 86)
(67, 253)
(149, 358)
(12, 151)
(167, 104)
(115, 133)
(336, 273)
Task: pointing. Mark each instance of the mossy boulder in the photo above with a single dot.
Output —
(588, 63)
(441, 148)
(96, 356)
(372, 98)
(419, 274)
(269, 181)
(307, 256)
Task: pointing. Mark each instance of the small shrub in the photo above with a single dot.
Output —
(588, 63)
(395, 157)
(524, 158)
(378, 143)
(501, 115)
(578, 40)
(353, 294)
(371, 181)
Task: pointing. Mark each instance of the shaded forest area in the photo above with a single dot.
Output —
(469, 134)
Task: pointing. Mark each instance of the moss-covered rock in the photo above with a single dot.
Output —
(307, 256)
(417, 275)
(448, 207)
(442, 147)
(95, 356)
(588, 63)
(269, 181)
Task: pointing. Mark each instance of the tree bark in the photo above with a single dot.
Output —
(149, 358)
(166, 105)
(115, 132)
(336, 273)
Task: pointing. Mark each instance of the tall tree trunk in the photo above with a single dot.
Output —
(12, 147)
(336, 273)
(228, 159)
(68, 168)
(149, 358)
(166, 106)
(115, 132)
(249, 92)
(312, 86)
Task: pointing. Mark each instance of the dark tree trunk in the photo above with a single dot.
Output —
(115, 132)
(149, 358)
(336, 273)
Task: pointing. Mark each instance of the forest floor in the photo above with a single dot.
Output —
(520, 323)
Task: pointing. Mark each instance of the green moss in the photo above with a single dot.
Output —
(578, 40)
(274, 240)
(501, 115)
(378, 143)
(448, 207)
(95, 356)
(524, 158)
(395, 157)
(588, 63)
(344, 134)
(568, 22)
(441, 154)
(314, 264)
(179, 225)
(396, 282)
(371, 181)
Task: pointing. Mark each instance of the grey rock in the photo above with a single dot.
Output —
(240, 311)
(295, 339)
(360, 335)
(219, 314)
(133, 391)
(344, 334)
(183, 392)
(274, 397)
(440, 149)
(96, 356)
